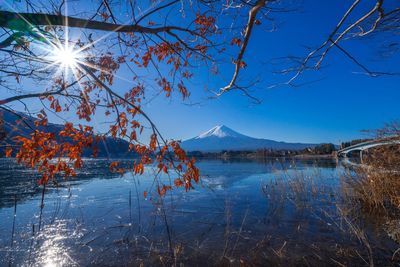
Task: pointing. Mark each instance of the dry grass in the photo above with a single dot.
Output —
(375, 189)
(377, 183)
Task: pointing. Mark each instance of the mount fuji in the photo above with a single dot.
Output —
(221, 138)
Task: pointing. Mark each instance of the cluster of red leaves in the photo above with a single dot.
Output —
(114, 167)
(108, 66)
(182, 164)
(166, 86)
(133, 95)
(206, 24)
(164, 51)
(242, 64)
(85, 108)
(236, 41)
(54, 104)
(183, 90)
(170, 53)
(45, 150)
(168, 157)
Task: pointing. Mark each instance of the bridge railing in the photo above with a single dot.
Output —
(369, 144)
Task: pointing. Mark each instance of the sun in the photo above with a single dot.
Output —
(65, 56)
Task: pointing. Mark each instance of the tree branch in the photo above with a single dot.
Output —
(41, 19)
(250, 24)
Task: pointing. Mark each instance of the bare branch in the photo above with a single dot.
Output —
(239, 60)
(41, 19)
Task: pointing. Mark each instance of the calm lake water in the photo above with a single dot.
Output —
(242, 212)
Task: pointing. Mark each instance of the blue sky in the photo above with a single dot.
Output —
(334, 104)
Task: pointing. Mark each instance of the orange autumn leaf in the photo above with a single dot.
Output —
(236, 41)
(113, 166)
(178, 182)
(131, 146)
(138, 168)
(8, 152)
(163, 190)
(242, 64)
(153, 142)
(165, 169)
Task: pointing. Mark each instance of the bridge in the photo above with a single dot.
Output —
(367, 145)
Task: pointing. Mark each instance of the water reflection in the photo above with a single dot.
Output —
(21, 183)
(240, 208)
(52, 249)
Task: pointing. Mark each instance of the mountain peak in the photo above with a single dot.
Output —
(221, 137)
(220, 131)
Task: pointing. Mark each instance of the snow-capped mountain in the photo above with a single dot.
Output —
(220, 131)
(222, 137)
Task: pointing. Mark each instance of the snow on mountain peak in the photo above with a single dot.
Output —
(220, 131)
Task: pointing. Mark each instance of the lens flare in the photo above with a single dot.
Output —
(65, 56)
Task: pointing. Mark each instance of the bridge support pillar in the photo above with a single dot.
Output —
(361, 157)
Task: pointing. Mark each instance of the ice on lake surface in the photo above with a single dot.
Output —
(242, 211)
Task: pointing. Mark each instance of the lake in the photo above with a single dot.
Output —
(276, 211)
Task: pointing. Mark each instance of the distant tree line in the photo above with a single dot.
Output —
(323, 149)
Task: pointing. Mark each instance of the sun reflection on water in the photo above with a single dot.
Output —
(52, 249)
